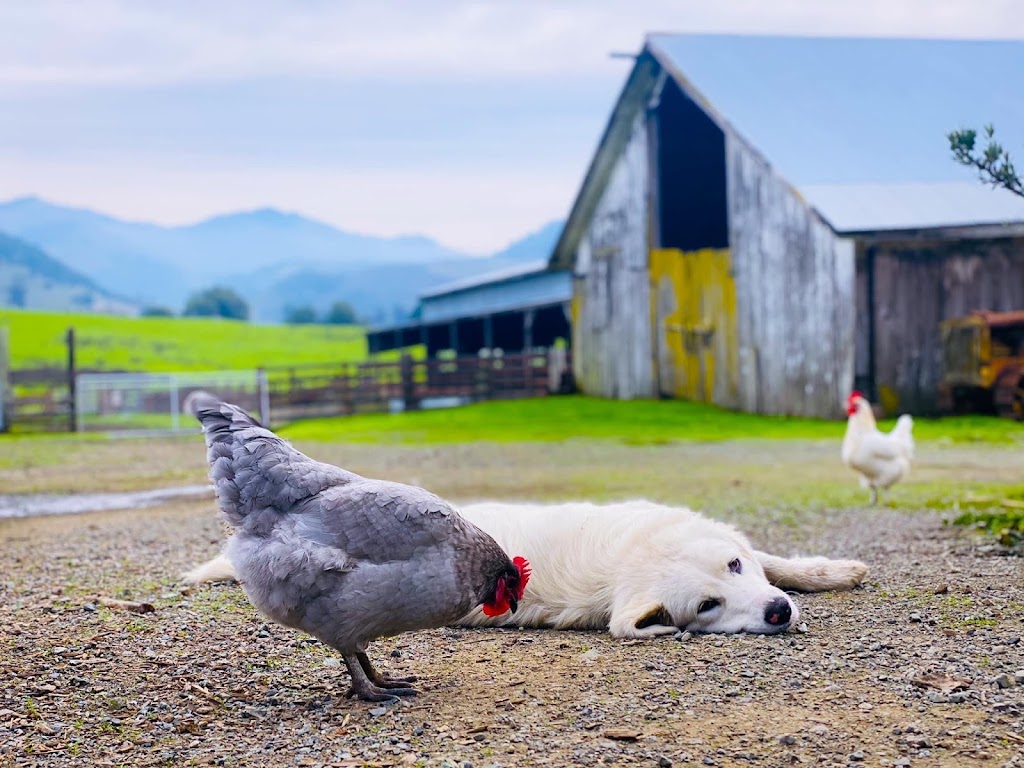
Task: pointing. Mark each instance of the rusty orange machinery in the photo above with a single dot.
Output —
(983, 363)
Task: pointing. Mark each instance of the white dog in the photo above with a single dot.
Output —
(638, 569)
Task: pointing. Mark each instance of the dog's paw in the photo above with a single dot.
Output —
(846, 574)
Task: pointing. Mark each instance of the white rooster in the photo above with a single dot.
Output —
(881, 459)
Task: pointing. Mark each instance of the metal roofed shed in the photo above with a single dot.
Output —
(769, 222)
(520, 308)
(867, 208)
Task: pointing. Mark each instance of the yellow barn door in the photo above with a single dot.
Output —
(693, 310)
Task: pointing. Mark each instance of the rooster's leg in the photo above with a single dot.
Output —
(382, 681)
(365, 689)
(874, 496)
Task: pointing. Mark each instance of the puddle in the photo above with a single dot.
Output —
(36, 504)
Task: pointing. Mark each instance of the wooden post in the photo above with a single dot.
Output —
(264, 392)
(72, 410)
(409, 399)
(4, 380)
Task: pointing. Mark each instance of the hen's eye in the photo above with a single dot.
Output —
(708, 605)
(735, 566)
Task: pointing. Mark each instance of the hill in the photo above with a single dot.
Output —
(252, 251)
(29, 277)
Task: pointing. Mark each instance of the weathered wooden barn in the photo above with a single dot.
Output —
(769, 222)
(517, 309)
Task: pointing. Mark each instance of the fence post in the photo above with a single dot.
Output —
(4, 383)
(261, 382)
(409, 399)
(72, 410)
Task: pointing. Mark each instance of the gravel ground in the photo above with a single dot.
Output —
(924, 665)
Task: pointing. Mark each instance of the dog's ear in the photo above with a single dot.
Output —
(657, 615)
(811, 574)
(642, 618)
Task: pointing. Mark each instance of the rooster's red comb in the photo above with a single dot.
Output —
(854, 395)
(523, 566)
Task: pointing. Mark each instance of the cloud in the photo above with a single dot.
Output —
(109, 42)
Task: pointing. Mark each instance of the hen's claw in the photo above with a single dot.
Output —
(369, 685)
(382, 681)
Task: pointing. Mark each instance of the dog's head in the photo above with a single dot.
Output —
(713, 584)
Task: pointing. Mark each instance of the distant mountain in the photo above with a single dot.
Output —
(31, 279)
(258, 252)
(536, 245)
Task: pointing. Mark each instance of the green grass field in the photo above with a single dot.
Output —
(639, 422)
(173, 344)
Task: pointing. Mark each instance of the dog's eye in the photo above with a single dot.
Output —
(735, 566)
(708, 605)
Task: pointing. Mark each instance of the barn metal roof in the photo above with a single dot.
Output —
(852, 208)
(494, 276)
(528, 285)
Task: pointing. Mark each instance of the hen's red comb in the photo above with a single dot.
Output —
(854, 395)
(523, 566)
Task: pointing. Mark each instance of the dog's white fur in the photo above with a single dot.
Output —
(636, 568)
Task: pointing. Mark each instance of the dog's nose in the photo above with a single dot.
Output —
(778, 612)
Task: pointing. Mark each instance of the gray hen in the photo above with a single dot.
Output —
(345, 558)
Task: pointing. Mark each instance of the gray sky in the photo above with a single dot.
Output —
(471, 122)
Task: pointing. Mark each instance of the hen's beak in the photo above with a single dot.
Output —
(512, 604)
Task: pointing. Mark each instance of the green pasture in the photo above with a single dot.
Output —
(639, 422)
(155, 344)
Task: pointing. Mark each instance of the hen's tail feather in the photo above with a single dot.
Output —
(253, 469)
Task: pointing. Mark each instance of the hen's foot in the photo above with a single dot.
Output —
(367, 689)
(382, 681)
(372, 692)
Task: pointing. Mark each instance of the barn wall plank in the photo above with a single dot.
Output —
(795, 294)
(917, 285)
(611, 305)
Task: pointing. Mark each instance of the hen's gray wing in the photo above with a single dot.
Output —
(379, 521)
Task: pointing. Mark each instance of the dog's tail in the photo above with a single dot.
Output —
(218, 569)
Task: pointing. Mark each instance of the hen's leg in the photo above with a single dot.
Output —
(874, 496)
(383, 681)
(365, 689)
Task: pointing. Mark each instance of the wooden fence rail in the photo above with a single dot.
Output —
(43, 400)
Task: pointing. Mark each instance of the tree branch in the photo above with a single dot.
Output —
(993, 164)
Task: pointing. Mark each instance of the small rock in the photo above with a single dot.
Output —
(622, 734)
(708, 761)
(1018, 677)
(802, 628)
(941, 589)
(330, 661)
(683, 636)
(857, 756)
(959, 697)
(396, 654)
(590, 656)
(1004, 681)
(43, 728)
(664, 762)
(915, 618)
(378, 711)
(788, 740)
(89, 608)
